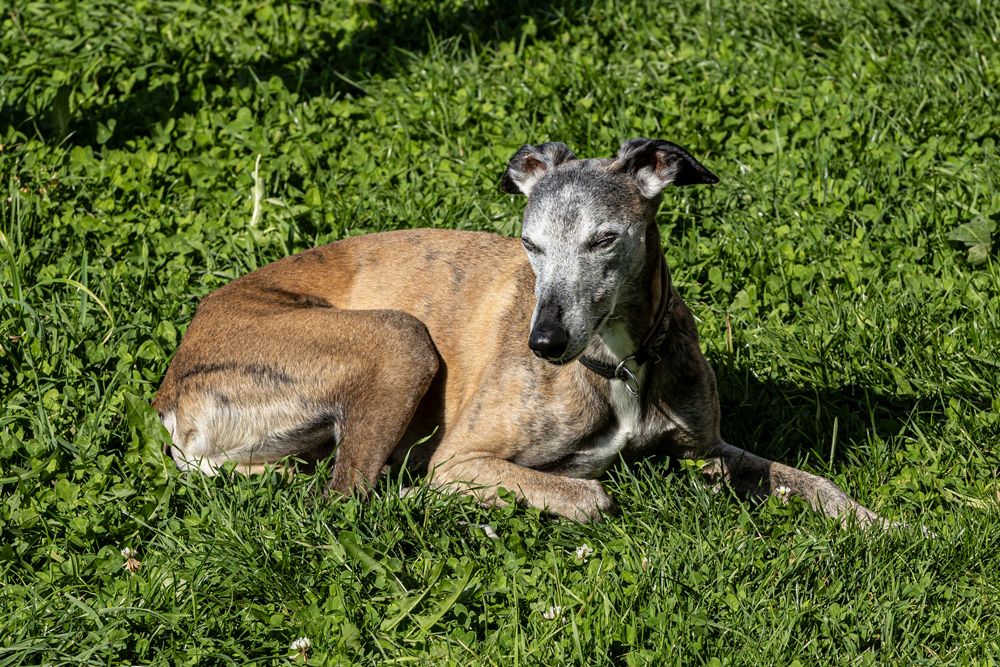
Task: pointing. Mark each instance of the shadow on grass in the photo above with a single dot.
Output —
(822, 430)
(338, 66)
(792, 423)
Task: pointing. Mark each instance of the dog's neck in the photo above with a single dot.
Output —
(639, 305)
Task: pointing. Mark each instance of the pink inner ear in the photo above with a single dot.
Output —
(532, 164)
(666, 165)
(663, 161)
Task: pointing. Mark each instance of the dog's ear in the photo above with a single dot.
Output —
(655, 164)
(530, 163)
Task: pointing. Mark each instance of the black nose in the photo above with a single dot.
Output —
(548, 342)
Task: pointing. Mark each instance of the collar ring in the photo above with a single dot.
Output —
(623, 373)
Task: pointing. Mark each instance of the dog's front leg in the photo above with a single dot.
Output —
(482, 475)
(752, 475)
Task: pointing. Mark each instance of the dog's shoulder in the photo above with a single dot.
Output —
(681, 350)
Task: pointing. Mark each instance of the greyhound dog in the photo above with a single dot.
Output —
(540, 362)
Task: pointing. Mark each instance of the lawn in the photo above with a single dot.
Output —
(843, 274)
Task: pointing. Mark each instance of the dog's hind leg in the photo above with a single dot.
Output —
(377, 414)
(754, 476)
(258, 386)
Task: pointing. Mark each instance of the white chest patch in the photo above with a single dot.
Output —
(593, 458)
(626, 423)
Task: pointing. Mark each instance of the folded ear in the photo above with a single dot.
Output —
(530, 163)
(655, 164)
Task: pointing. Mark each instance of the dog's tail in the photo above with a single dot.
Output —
(169, 420)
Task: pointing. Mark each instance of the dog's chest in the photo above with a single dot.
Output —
(599, 451)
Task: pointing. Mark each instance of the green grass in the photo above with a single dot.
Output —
(843, 274)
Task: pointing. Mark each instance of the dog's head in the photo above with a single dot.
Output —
(585, 231)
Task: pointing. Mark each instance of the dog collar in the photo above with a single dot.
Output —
(647, 350)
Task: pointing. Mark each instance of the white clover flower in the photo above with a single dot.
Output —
(583, 552)
(552, 614)
(132, 563)
(301, 647)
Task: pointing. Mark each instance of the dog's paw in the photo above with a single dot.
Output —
(592, 503)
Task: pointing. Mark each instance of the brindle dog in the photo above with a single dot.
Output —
(540, 361)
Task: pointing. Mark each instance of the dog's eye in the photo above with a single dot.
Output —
(528, 245)
(602, 242)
